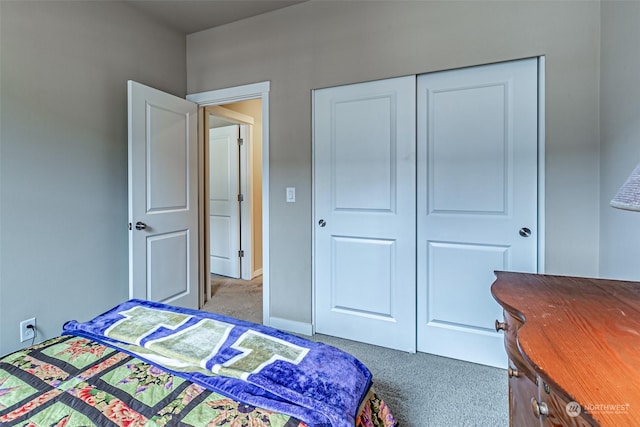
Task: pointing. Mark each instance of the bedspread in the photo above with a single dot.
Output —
(250, 363)
(74, 381)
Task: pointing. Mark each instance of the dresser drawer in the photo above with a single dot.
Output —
(521, 391)
(531, 401)
(558, 410)
(519, 367)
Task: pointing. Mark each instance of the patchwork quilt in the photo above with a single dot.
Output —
(149, 364)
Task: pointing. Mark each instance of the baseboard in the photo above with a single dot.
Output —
(256, 273)
(291, 326)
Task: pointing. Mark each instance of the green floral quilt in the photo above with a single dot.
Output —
(73, 381)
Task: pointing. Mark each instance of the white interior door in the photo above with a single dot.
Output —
(364, 195)
(163, 197)
(224, 186)
(477, 197)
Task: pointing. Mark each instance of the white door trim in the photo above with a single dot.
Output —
(541, 163)
(230, 115)
(243, 93)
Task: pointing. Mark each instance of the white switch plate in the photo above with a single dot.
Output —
(291, 194)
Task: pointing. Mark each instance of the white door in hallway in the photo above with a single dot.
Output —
(163, 197)
(364, 218)
(224, 185)
(477, 201)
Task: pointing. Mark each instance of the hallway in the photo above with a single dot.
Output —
(237, 298)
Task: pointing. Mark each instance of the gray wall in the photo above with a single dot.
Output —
(326, 43)
(63, 241)
(63, 153)
(620, 135)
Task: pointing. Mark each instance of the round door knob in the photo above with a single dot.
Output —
(539, 408)
(525, 232)
(322, 223)
(140, 225)
(512, 372)
(500, 326)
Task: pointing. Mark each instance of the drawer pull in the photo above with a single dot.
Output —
(512, 372)
(539, 408)
(500, 326)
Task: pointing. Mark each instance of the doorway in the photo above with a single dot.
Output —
(233, 146)
(232, 95)
(235, 178)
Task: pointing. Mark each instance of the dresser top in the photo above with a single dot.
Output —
(581, 336)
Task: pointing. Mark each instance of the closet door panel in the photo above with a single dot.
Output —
(364, 218)
(476, 201)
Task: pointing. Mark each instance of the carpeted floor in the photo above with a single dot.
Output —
(422, 390)
(241, 299)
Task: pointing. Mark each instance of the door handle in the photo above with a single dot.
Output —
(140, 225)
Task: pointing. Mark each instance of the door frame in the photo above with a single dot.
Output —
(541, 163)
(230, 95)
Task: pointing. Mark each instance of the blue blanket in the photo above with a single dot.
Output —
(250, 363)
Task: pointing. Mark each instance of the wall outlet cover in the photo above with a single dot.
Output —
(27, 333)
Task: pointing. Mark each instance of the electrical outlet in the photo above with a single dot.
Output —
(25, 332)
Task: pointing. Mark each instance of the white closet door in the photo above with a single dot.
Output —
(477, 202)
(364, 198)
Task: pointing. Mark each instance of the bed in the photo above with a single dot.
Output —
(150, 364)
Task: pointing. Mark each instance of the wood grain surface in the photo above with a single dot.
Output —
(581, 336)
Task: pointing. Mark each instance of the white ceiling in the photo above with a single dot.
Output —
(190, 16)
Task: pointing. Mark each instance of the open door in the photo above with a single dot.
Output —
(163, 197)
(224, 200)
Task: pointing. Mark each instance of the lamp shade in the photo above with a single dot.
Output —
(628, 196)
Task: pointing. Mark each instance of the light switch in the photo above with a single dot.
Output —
(291, 194)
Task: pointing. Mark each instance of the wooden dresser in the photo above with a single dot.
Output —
(574, 349)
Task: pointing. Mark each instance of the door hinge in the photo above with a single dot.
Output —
(240, 253)
(130, 225)
(241, 197)
(240, 141)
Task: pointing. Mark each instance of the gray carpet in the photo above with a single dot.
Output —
(241, 299)
(422, 390)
